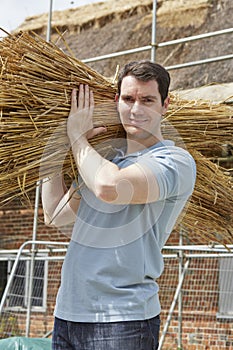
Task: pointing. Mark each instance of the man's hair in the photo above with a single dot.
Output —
(145, 71)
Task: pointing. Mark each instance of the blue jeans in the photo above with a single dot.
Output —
(127, 335)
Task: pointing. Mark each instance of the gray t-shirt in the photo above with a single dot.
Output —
(114, 257)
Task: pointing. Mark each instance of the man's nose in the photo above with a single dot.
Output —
(136, 107)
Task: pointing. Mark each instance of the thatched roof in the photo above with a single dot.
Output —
(112, 26)
(87, 16)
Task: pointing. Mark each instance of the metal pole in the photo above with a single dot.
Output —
(181, 253)
(117, 54)
(48, 36)
(153, 34)
(204, 61)
(10, 280)
(37, 196)
(32, 261)
(159, 45)
(164, 332)
(201, 248)
(195, 37)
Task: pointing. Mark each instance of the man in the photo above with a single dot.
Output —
(123, 215)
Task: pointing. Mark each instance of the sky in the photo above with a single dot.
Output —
(14, 12)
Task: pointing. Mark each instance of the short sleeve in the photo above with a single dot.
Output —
(174, 169)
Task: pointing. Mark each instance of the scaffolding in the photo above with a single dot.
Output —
(171, 43)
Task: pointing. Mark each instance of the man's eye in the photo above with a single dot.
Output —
(147, 100)
(128, 99)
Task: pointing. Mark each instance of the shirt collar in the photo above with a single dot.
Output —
(121, 152)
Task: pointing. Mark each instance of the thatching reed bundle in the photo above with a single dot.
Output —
(202, 125)
(209, 213)
(36, 83)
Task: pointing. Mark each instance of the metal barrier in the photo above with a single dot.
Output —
(180, 289)
(31, 255)
(198, 262)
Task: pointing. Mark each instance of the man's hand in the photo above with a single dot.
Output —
(80, 119)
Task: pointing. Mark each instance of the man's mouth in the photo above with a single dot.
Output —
(137, 121)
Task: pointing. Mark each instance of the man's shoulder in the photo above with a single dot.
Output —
(170, 150)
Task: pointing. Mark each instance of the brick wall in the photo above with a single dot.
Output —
(16, 225)
(202, 332)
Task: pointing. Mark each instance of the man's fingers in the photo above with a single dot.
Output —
(81, 103)
(85, 104)
(91, 106)
(96, 131)
(73, 100)
(86, 101)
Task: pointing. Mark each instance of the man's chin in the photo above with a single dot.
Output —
(133, 128)
(137, 133)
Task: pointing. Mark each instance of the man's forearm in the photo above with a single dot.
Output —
(134, 184)
(97, 172)
(53, 189)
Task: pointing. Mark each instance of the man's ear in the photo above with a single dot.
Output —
(166, 104)
(117, 100)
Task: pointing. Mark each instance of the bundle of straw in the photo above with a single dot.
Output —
(36, 83)
(202, 125)
(209, 213)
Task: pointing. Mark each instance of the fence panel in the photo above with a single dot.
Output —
(203, 316)
(16, 318)
(196, 296)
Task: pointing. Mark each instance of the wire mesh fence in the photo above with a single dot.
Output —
(28, 297)
(202, 314)
(196, 294)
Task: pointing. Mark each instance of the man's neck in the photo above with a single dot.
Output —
(139, 145)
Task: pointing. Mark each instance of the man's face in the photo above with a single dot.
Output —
(140, 109)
